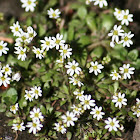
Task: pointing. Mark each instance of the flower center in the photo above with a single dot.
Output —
(112, 123)
(125, 70)
(60, 128)
(31, 35)
(22, 52)
(119, 11)
(115, 32)
(125, 17)
(79, 94)
(119, 99)
(23, 38)
(47, 43)
(65, 51)
(95, 67)
(126, 38)
(34, 125)
(29, 2)
(37, 52)
(68, 118)
(115, 74)
(18, 126)
(86, 101)
(13, 107)
(3, 78)
(36, 92)
(54, 15)
(73, 67)
(1, 47)
(76, 109)
(36, 115)
(16, 29)
(29, 95)
(97, 112)
(6, 69)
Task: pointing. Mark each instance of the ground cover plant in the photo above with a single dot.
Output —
(69, 70)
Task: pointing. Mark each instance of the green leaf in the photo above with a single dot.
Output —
(22, 102)
(24, 64)
(82, 12)
(91, 23)
(133, 55)
(2, 107)
(84, 40)
(115, 85)
(10, 96)
(69, 135)
(43, 109)
(70, 33)
(97, 52)
(42, 30)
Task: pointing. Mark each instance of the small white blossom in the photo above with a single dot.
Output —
(126, 17)
(16, 77)
(69, 118)
(58, 41)
(18, 127)
(16, 30)
(31, 33)
(47, 43)
(38, 52)
(96, 112)
(112, 124)
(115, 75)
(14, 108)
(116, 32)
(3, 48)
(79, 95)
(126, 70)
(73, 68)
(65, 51)
(21, 53)
(60, 128)
(118, 14)
(36, 91)
(36, 114)
(75, 81)
(29, 5)
(101, 3)
(137, 112)
(34, 126)
(95, 67)
(4, 79)
(126, 39)
(87, 102)
(54, 13)
(28, 96)
(6, 70)
(119, 100)
(76, 110)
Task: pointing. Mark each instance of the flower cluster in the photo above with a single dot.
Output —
(125, 70)
(136, 108)
(34, 92)
(101, 3)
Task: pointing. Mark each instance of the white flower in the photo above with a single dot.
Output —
(36, 114)
(100, 2)
(29, 5)
(112, 124)
(118, 14)
(19, 127)
(116, 32)
(65, 51)
(16, 77)
(75, 81)
(57, 41)
(31, 33)
(126, 71)
(54, 13)
(115, 75)
(4, 79)
(79, 95)
(60, 61)
(76, 110)
(69, 118)
(138, 102)
(14, 108)
(16, 30)
(34, 126)
(21, 53)
(87, 102)
(137, 112)
(3, 48)
(126, 17)
(112, 44)
(23, 39)
(97, 113)
(119, 100)
(73, 68)
(28, 96)
(95, 67)
(60, 128)
(38, 52)
(47, 43)
(36, 91)
(126, 39)
(6, 70)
